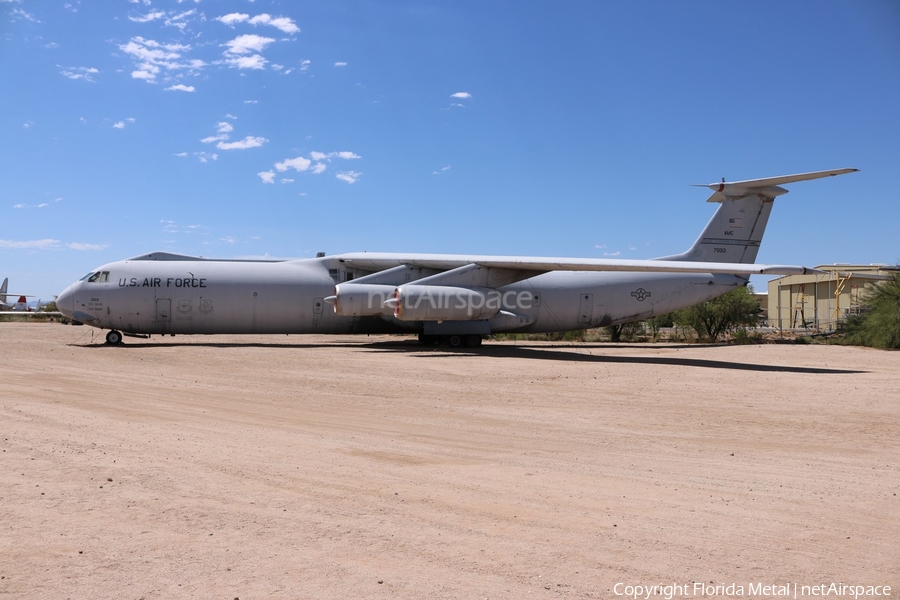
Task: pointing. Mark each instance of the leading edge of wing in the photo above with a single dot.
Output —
(379, 261)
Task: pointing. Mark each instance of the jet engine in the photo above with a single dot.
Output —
(443, 303)
(361, 299)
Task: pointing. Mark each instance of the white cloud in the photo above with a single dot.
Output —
(616, 253)
(228, 239)
(178, 20)
(80, 246)
(286, 180)
(251, 101)
(148, 74)
(461, 95)
(223, 128)
(267, 176)
(304, 64)
(285, 24)
(298, 164)
(247, 43)
(230, 116)
(38, 244)
(349, 176)
(180, 154)
(180, 88)
(232, 18)
(151, 16)
(248, 142)
(18, 13)
(316, 164)
(340, 64)
(85, 73)
(206, 156)
(151, 57)
(443, 170)
(247, 62)
(345, 154)
(119, 125)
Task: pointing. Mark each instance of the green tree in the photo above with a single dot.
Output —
(713, 318)
(879, 325)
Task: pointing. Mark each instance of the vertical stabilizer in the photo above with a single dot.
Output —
(735, 231)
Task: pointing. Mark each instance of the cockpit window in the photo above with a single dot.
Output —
(97, 277)
(88, 276)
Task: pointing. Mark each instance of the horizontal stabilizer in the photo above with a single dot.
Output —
(767, 186)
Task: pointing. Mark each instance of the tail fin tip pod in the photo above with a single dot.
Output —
(735, 231)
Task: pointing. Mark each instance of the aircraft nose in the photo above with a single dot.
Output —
(65, 302)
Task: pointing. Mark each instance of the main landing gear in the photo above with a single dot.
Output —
(114, 338)
(454, 341)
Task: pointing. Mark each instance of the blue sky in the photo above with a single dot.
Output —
(250, 129)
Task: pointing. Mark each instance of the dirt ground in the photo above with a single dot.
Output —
(368, 467)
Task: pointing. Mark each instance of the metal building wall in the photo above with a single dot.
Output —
(812, 302)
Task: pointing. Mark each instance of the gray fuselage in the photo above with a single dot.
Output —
(202, 296)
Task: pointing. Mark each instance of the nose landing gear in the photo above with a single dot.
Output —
(114, 337)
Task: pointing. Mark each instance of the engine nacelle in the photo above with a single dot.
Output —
(361, 299)
(443, 303)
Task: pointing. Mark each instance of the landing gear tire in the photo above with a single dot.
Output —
(113, 338)
(454, 341)
(473, 341)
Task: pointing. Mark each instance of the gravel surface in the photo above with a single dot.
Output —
(368, 467)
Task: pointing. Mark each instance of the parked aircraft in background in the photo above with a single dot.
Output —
(457, 299)
(19, 305)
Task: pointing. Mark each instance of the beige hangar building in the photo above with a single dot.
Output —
(820, 302)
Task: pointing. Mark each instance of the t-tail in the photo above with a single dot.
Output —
(736, 229)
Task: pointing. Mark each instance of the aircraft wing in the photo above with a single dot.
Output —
(378, 261)
(30, 313)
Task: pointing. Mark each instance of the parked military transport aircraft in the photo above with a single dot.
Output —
(457, 299)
